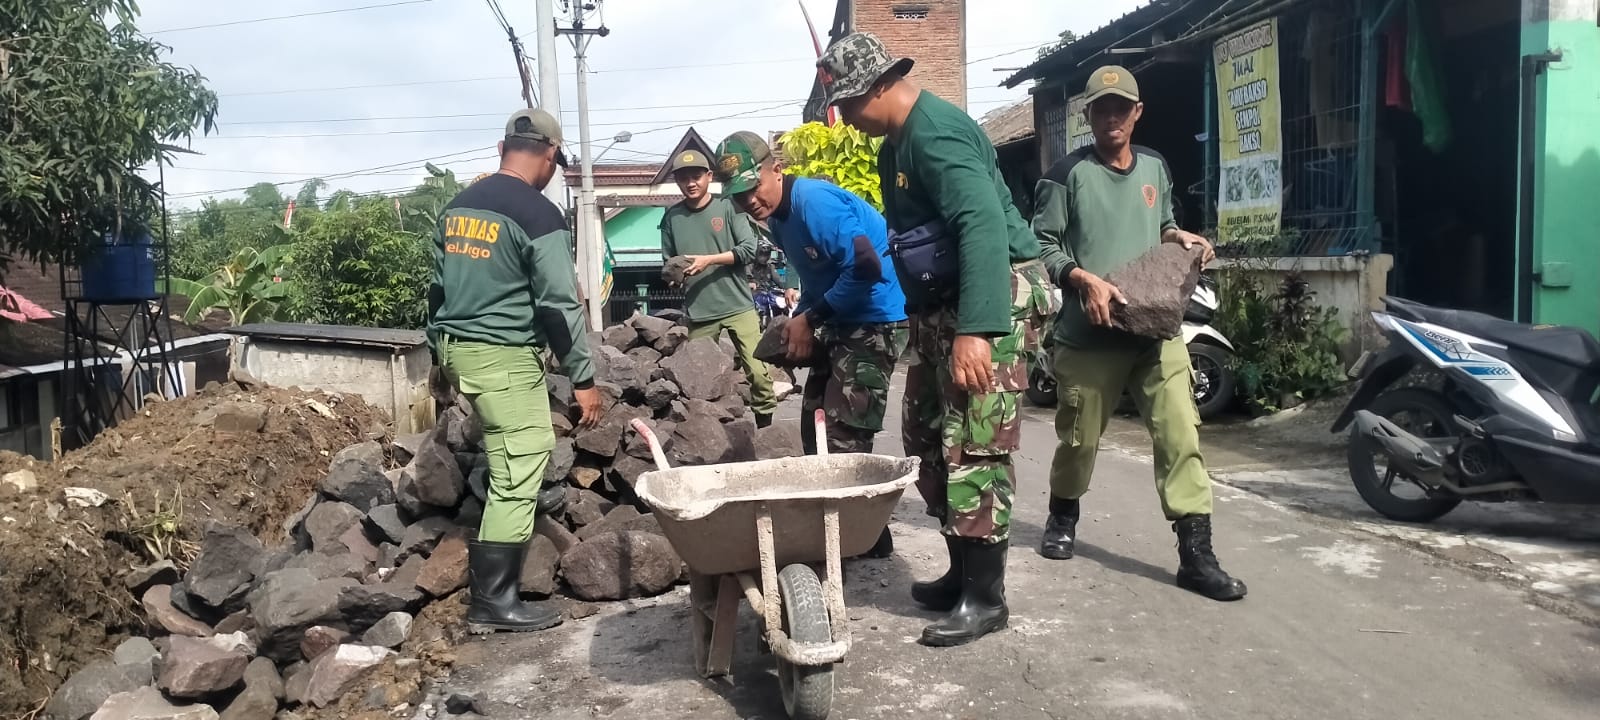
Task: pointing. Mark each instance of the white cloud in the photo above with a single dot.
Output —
(751, 51)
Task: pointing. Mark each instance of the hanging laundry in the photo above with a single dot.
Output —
(1427, 85)
(1396, 88)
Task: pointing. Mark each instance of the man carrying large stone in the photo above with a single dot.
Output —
(500, 244)
(979, 298)
(719, 243)
(1098, 209)
(850, 301)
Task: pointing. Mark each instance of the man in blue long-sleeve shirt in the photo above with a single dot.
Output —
(850, 298)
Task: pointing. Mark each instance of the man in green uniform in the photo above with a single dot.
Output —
(720, 242)
(503, 291)
(1098, 209)
(978, 298)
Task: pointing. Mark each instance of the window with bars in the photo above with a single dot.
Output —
(911, 12)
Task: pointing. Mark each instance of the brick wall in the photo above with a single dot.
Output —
(932, 32)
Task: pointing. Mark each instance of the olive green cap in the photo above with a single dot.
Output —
(536, 124)
(1111, 80)
(689, 159)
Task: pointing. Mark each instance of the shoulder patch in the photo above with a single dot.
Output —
(1059, 172)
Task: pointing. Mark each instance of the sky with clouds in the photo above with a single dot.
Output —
(387, 87)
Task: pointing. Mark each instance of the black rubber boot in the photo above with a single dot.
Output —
(763, 419)
(1198, 570)
(495, 572)
(982, 607)
(884, 547)
(944, 593)
(1060, 529)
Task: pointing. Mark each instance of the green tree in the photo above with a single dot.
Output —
(357, 267)
(425, 204)
(250, 286)
(840, 154)
(83, 106)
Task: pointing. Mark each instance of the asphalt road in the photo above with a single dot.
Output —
(1342, 621)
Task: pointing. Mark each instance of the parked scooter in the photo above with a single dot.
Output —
(1210, 358)
(1516, 417)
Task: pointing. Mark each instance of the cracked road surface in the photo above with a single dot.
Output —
(1344, 620)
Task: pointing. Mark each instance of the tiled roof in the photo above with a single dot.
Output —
(1009, 124)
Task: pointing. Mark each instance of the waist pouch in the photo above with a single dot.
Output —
(929, 257)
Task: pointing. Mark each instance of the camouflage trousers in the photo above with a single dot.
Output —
(852, 388)
(965, 440)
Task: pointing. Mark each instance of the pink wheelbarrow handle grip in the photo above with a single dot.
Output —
(650, 439)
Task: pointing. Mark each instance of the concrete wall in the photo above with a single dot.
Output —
(397, 383)
(1352, 285)
(938, 41)
(1566, 161)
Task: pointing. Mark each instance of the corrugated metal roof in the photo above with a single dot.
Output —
(1109, 33)
(333, 335)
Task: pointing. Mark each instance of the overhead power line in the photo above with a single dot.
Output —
(337, 176)
(232, 23)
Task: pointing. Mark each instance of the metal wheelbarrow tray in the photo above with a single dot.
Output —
(758, 530)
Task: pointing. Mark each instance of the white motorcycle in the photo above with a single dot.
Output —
(1210, 358)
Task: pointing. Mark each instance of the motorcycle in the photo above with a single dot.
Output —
(1210, 358)
(1515, 418)
(770, 303)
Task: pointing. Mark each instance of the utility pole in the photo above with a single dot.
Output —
(591, 251)
(549, 84)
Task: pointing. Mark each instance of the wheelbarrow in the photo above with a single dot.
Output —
(759, 530)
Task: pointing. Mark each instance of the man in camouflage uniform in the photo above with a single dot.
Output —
(979, 299)
(850, 302)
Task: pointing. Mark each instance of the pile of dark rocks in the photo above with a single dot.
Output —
(251, 628)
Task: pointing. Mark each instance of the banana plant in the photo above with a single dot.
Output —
(250, 287)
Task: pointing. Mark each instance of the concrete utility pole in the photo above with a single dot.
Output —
(549, 84)
(591, 251)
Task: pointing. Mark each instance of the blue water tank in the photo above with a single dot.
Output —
(123, 271)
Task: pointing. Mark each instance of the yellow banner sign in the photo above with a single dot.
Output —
(1250, 149)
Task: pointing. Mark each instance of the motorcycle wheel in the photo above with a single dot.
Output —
(1213, 379)
(1041, 388)
(1423, 413)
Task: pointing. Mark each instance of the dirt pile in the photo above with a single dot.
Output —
(142, 491)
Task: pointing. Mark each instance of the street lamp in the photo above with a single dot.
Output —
(620, 138)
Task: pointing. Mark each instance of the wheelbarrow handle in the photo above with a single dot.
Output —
(649, 436)
(821, 420)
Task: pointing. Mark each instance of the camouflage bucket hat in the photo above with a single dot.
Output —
(739, 159)
(855, 62)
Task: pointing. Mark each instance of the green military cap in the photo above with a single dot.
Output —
(854, 62)
(689, 159)
(536, 124)
(739, 159)
(1111, 80)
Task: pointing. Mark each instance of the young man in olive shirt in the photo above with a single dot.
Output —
(1098, 209)
(974, 318)
(499, 244)
(720, 242)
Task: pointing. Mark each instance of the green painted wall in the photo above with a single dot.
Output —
(634, 236)
(1567, 211)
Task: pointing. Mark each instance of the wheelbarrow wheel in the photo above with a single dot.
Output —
(807, 691)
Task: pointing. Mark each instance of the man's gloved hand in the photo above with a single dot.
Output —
(553, 499)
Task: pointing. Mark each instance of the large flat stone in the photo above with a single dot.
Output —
(697, 368)
(446, 569)
(437, 477)
(289, 601)
(539, 566)
(1157, 286)
(194, 668)
(222, 573)
(620, 565)
(328, 522)
(157, 602)
(337, 670)
(700, 440)
(351, 479)
(88, 689)
(147, 703)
